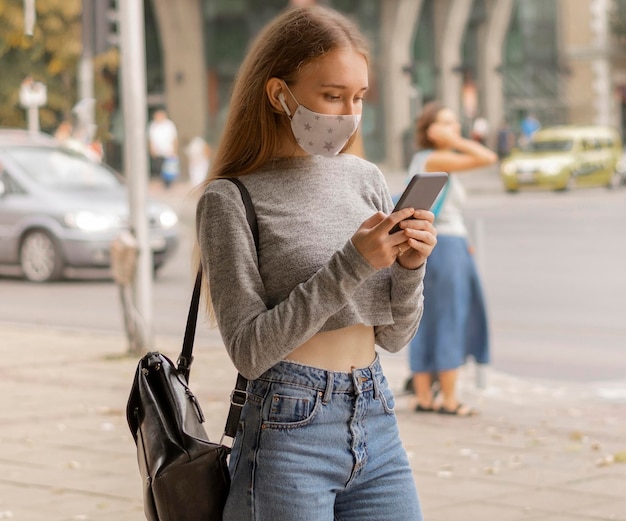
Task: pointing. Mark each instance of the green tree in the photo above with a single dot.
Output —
(51, 56)
(618, 20)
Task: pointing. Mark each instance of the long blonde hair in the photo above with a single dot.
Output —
(285, 45)
(252, 130)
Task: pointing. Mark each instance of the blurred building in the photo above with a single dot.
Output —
(496, 59)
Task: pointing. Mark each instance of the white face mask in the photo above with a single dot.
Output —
(320, 134)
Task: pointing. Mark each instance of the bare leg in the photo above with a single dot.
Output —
(447, 380)
(422, 384)
(451, 404)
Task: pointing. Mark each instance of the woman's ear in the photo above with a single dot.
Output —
(275, 91)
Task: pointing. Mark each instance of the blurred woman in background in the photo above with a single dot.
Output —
(454, 324)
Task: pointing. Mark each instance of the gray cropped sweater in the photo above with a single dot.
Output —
(308, 276)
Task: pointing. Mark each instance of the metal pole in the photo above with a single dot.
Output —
(479, 255)
(85, 70)
(33, 119)
(30, 17)
(133, 61)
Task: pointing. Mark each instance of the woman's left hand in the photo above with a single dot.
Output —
(420, 239)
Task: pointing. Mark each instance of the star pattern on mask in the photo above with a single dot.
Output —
(312, 130)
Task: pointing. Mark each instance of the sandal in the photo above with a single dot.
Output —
(459, 410)
(420, 408)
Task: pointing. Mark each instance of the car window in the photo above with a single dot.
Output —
(555, 145)
(9, 184)
(61, 169)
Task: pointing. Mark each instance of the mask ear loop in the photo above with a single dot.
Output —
(281, 100)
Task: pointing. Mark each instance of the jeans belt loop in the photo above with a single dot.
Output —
(375, 385)
(330, 384)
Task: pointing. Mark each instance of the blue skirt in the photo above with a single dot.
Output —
(454, 323)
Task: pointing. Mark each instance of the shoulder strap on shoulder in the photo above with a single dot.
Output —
(238, 396)
(186, 357)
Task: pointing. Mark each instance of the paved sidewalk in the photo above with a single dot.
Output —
(539, 451)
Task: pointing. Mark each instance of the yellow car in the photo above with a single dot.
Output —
(564, 157)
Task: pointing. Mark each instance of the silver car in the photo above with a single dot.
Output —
(58, 208)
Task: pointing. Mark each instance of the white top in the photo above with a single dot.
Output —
(162, 136)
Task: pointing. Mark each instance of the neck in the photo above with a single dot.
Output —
(289, 148)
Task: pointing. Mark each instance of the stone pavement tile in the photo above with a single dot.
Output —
(557, 500)
(70, 478)
(558, 517)
(614, 510)
(608, 484)
(476, 511)
(467, 490)
(30, 502)
(61, 505)
(540, 476)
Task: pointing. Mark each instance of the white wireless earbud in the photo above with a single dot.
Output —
(281, 99)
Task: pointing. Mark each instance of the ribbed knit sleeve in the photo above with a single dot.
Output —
(407, 303)
(407, 306)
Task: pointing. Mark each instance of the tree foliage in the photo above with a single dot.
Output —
(618, 20)
(51, 55)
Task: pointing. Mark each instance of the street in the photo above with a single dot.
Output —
(552, 267)
(553, 270)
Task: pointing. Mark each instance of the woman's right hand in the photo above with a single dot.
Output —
(373, 242)
(442, 135)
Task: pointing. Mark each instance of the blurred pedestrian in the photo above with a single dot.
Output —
(162, 144)
(528, 126)
(198, 158)
(454, 323)
(480, 130)
(506, 140)
(70, 138)
(302, 312)
(64, 131)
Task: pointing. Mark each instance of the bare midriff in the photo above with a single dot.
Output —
(340, 350)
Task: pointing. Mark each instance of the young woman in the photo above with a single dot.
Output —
(300, 317)
(454, 324)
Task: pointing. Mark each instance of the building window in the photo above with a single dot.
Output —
(531, 66)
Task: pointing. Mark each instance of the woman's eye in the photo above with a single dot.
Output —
(332, 98)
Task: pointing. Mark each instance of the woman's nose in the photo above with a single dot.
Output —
(351, 108)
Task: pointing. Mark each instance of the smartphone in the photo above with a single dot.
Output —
(421, 192)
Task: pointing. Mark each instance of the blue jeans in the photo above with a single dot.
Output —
(319, 445)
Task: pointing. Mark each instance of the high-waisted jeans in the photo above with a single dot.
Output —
(315, 445)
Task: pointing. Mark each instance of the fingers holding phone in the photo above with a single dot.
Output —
(421, 192)
(420, 237)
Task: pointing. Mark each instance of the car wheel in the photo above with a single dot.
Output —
(40, 257)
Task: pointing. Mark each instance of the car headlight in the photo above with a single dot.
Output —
(508, 168)
(168, 219)
(92, 222)
(552, 167)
